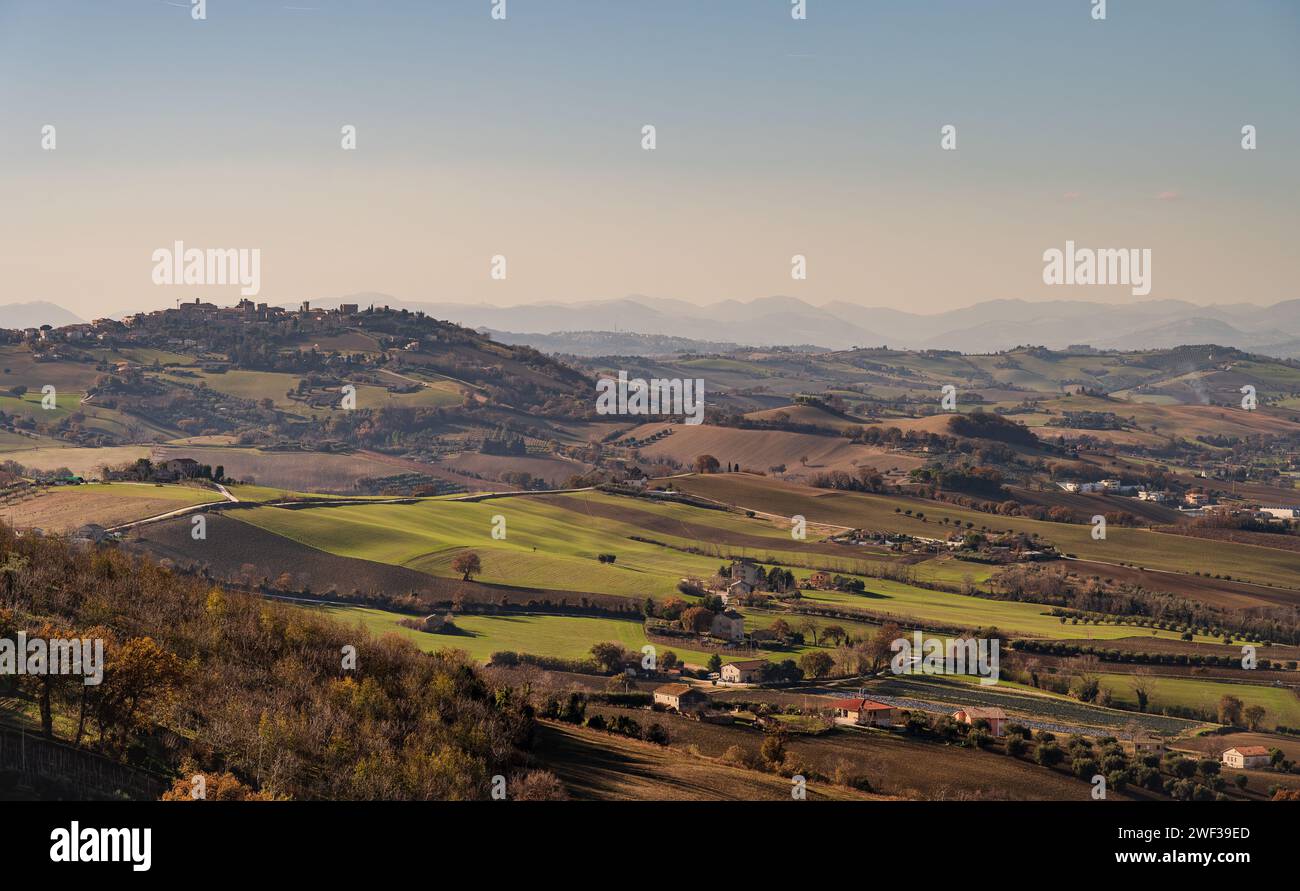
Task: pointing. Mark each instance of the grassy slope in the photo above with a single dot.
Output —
(426, 536)
(1141, 547)
(1281, 703)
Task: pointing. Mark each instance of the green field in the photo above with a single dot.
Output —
(1137, 547)
(1010, 617)
(181, 494)
(565, 637)
(274, 385)
(547, 546)
(1281, 704)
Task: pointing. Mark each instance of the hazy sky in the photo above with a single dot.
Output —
(522, 137)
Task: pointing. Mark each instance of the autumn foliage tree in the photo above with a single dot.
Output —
(697, 619)
(707, 464)
(254, 692)
(468, 564)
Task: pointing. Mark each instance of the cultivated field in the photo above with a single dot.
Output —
(65, 508)
(601, 766)
(761, 449)
(1137, 547)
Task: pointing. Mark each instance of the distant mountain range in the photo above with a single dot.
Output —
(626, 325)
(35, 314)
(784, 321)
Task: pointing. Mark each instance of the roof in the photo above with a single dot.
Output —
(732, 614)
(673, 689)
(860, 705)
(987, 713)
(746, 663)
(1249, 750)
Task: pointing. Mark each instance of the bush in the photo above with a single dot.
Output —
(773, 750)
(1049, 754)
(740, 757)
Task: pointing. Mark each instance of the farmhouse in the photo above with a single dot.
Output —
(865, 713)
(745, 671)
(1144, 745)
(177, 468)
(1246, 756)
(91, 533)
(995, 717)
(680, 697)
(737, 590)
(746, 570)
(729, 625)
(819, 580)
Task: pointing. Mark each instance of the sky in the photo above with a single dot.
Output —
(522, 137)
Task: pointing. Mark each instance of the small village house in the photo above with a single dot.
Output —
(737, 591)
(744, 671)
(746, 570)
(1244, 757)
(1143, 745)
(728, 625)
(865, 713)
(680, 697)
(996, 718)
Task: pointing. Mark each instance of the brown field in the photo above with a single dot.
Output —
(555, 470)
(308, 471)
(1139, 644)
(895, 765)
(602, 766)
(761, 449)
(1119, 438)
(1070, 665)
(1241, 536)
(347, 342)
(84, 462)
(67, 509)
(1090, 504)
(1216, 592)
(1215, 744)
(805, 414)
